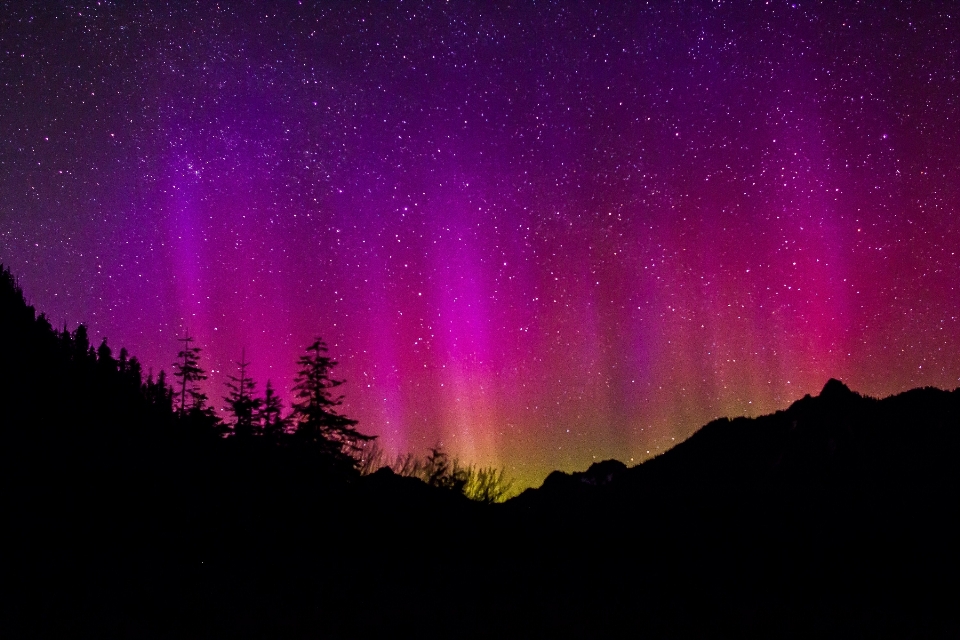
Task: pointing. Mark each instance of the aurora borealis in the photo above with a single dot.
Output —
(542, 234)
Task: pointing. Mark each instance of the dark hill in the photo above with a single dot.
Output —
(839, 442)
(835, 517)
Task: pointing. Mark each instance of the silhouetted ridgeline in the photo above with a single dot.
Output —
(834, 517)
(839, 445)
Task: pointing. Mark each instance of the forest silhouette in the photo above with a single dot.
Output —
(133, 510)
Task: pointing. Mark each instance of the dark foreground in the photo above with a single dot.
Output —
(122, 518)
(836, 517)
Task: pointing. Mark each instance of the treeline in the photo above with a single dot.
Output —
(135, 510)
(313, 422)
(62, 387)
(83, 383)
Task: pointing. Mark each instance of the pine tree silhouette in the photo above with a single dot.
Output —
(158, 393)
(187, 368)
(269, 416)
(241, 401)
(81, 345)
(107, 366)
(315, 412)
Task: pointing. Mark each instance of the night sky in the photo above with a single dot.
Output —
(542, 234)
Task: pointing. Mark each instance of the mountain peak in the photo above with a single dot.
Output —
(835, 389)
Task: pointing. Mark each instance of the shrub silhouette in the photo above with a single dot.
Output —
(487, 485)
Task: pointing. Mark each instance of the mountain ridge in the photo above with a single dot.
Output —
(817, 442)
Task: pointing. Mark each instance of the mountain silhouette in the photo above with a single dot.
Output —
(838, 441)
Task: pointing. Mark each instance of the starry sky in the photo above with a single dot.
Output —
(539, 233)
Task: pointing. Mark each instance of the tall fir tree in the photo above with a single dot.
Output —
(242, 401)
(81, 345)
(188, 370)
(106, 364)
(315, 414)
(269, 418)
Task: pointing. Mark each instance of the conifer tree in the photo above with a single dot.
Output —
(315, 412)
(187, 368)
(106, 364)
(164, 391)
(123, 360)
(269, 416)
(65, 344)
(241, 401)
(130, 370)
(158, 393)
(81, 344)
